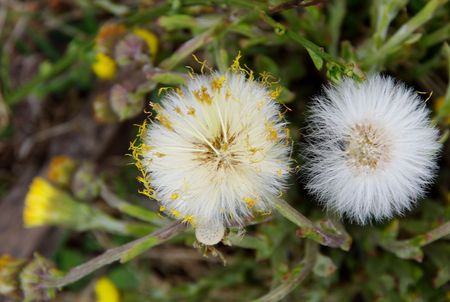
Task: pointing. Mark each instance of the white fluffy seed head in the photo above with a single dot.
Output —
(371, 150)
(217, 150)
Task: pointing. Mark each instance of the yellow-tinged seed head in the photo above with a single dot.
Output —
(104, 66)
(106, 291)
(218, 150)
(149, 38)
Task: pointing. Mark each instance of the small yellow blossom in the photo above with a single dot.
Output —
(106, 291)
(38, 203)
(104, 66)
(45, 204)
(149, 38)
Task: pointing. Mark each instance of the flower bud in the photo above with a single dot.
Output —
(32, 276)
(61, 169)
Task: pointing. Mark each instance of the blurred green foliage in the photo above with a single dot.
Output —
(303, 44)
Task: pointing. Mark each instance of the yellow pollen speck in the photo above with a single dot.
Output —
(279, 172)
(146, 148)
(272, 132)
(228, 93)
(203, 95)
(274, 94)
(177, 110)
(217, 83)
(191, 111)
(162, 208)
(179, 91)
(159, 154)
(174, 196)
(253, 150)
(188, 219)
(175, 213)
(250, 202)
(164, 120)
(259, 105)
(157, 107)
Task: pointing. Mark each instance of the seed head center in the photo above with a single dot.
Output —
(367, 147)
(220, 153)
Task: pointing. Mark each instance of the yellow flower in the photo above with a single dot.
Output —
(440, 101)
(48, 205)
(38, 203)
(150, 38)
(104, 66)
(106, 291)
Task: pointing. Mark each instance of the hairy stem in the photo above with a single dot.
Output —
(115, 254)
(411, 248)
(134, 211)
(329, 237)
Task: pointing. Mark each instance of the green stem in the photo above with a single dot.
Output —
(105, 222)
(134, 211)
(282, 30)
(436, 37)
(114, 254)
(403, 33)
(191, 46)
(296, 276)
(21, 92)
(411, 248)
(330, 237)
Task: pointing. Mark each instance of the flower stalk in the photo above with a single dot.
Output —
(411, 248)
(127, 208)
(122, 253)
(328, 237)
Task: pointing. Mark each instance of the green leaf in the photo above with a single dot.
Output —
(324, 266)
(124, 278)
(316, 58)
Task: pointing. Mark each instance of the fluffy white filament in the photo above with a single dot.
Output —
(371, 151)
(217, 150)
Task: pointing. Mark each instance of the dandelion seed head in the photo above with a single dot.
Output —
(371, 150)
(217, 150)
